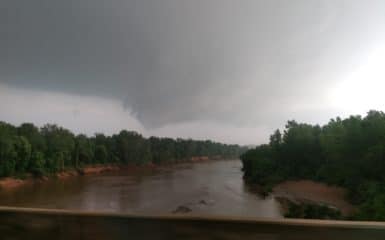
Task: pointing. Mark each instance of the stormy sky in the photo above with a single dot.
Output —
(227, 70)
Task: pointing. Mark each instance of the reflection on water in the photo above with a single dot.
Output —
(210, 188)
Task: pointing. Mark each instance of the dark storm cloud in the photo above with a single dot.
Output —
(172, 61)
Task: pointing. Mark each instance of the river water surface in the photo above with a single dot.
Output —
(208, 188)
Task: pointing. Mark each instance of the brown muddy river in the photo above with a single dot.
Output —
(209, 188)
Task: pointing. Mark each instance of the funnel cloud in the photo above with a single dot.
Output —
(221, 69)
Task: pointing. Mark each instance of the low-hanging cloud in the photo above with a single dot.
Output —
(242, 63)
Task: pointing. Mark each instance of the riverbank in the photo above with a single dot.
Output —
(9, 183)
(314, 193)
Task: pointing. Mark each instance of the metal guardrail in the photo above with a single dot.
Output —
(24, 223)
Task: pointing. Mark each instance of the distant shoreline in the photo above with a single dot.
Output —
(12, 183)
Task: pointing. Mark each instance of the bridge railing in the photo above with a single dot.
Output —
(23, 223)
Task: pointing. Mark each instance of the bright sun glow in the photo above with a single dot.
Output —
(363, 89)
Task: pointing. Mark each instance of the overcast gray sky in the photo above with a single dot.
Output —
(228, 70)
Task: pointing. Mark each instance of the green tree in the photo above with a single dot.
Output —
(348, 153)
(32, 133)
(37, 163)
(83, 151)
(23, 153)
(8, 157)
(101, 154)
(60, 147)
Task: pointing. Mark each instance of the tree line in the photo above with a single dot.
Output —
(50, 149)
(345, 152)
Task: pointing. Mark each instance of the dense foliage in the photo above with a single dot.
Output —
(348, 153)
(29, 149)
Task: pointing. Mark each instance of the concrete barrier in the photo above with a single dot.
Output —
(23, 223)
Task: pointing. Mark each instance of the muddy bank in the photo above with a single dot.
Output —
(310, 192)
(96, 169)
(9, 183)
(13, 183)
